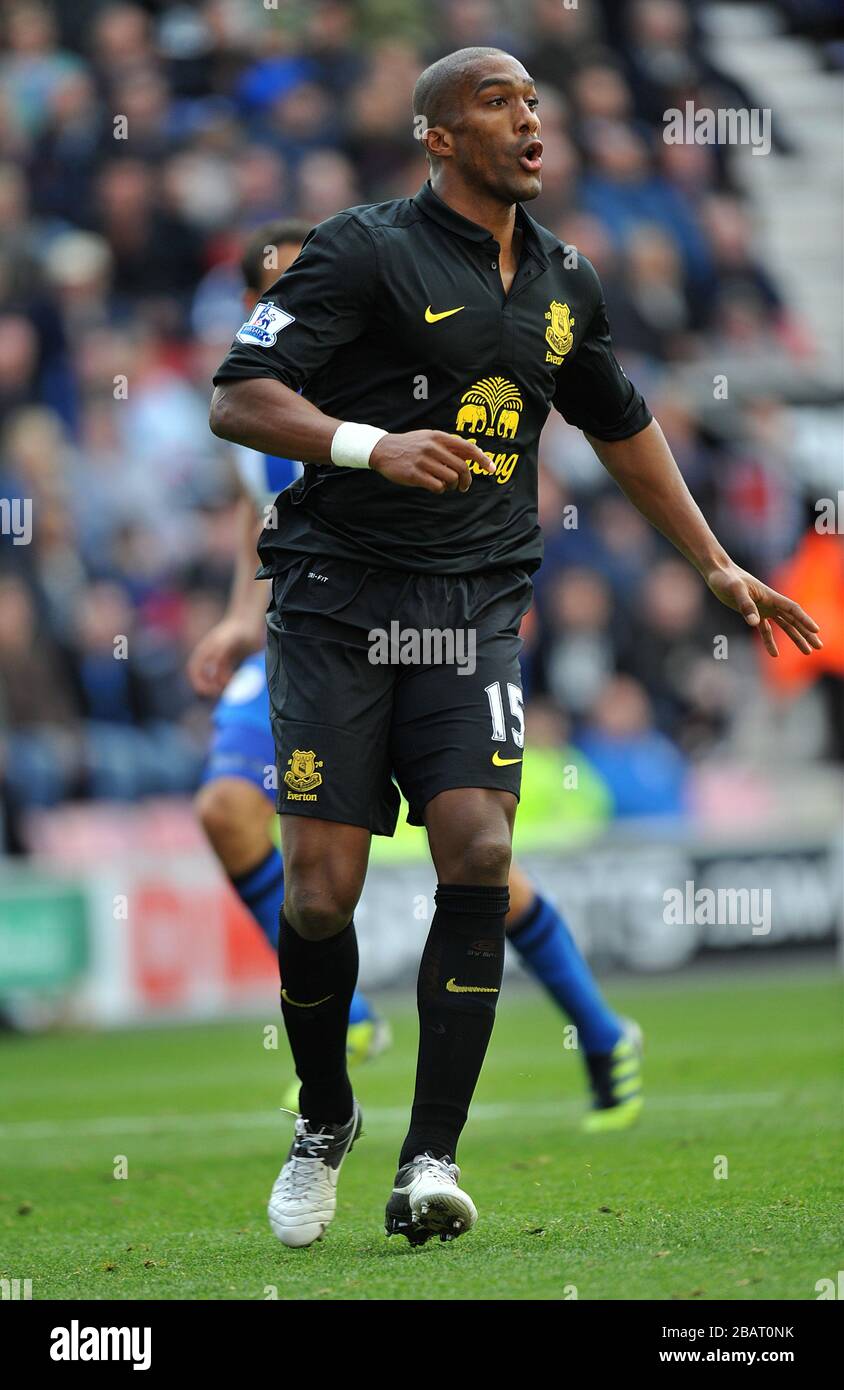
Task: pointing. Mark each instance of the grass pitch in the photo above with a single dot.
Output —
(742, 1067)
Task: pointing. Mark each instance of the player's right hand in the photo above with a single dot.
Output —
(431, 459)
(216, 657)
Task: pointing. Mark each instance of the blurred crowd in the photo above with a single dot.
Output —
(141, 142)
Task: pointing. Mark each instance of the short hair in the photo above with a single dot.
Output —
(286, 231)
(434, 94)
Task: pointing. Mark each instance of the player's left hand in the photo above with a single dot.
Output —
(218, 654)
(759, 606)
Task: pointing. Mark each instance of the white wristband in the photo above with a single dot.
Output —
(352, 444)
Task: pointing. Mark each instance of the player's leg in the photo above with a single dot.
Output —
(469, 833)
(236, 808)
(546, 946)
(318, 964)
(457, 740)
(609, 1045)
(235, 802)
(237, 819)
(318, 956)
(334, 790)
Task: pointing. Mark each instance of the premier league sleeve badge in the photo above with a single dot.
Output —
(264, 325)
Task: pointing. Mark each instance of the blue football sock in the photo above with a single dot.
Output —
(549, 951)
(262, 892)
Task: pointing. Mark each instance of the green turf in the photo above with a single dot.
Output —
(741, 1065)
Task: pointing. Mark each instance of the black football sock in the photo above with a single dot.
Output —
(317, 983)
(458, 988)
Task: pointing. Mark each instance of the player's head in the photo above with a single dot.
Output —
(269, 251)
(480, 123)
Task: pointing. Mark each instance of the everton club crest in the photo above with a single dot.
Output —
(558, 334)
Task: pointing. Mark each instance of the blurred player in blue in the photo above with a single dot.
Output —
(236, 802)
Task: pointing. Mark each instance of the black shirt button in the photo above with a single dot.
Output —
(493, 265)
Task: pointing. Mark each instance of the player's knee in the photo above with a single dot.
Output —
(320, 894)
(314, 913)
(482, 858)
(324, 875)
(216, 809)
(225, 810)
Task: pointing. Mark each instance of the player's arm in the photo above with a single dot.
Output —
(593, 393)
(645, 470)
(242, 629)
(266, 415)
(321, 303)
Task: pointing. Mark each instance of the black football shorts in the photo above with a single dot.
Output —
(382, 677)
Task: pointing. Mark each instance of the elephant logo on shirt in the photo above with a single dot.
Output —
(490, 409)
(491, 406)
(471, 417)
(508, 422)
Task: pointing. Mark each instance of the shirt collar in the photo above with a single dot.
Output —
(433, 206)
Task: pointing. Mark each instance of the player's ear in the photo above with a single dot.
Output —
(438, 142)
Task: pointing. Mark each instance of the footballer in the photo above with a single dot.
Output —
(410, 357)
(236, 801)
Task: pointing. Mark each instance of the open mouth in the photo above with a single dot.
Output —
(531, 157)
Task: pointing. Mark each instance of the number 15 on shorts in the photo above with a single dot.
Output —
(500, 721)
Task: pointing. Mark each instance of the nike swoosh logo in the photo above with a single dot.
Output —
(454, 988)
(498, 761)
(286, 997)
(446, 314)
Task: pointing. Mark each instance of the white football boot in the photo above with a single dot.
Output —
(304, 1196)
(426, 1201)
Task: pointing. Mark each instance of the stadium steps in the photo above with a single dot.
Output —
(797, 197)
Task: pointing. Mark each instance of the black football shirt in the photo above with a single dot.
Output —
(394, 314)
